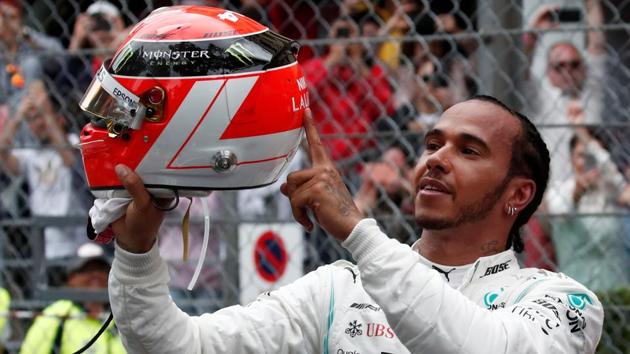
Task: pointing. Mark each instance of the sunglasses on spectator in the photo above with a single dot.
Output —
(435, 79)
(566, 65)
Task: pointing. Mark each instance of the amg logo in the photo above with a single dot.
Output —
(175, 54)
(497, 268)
(365, 306)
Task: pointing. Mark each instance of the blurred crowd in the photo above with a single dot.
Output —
(380, 73)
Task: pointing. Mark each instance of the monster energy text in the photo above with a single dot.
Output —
(176, 54)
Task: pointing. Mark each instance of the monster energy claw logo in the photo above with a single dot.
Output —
(238, 51)
(579, 300)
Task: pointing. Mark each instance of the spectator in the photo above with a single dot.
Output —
(20, 47)
(5, 302)
(65, 326)
(100, 27)
(291, 18)
(410, 17)
(431, 94)
(347, 92)
(569, 77)
(590, 248)
(21, 51)
(50, 168)
(386, 195)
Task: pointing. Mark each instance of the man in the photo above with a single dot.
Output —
(590, 248)
(482, 175)
(570, 78)
(49, 168)
(100, 27)
(350, 91)
(65, 326)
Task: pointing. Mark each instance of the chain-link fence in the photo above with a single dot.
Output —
(380, 73)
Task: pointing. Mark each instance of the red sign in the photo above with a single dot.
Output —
(270, 256)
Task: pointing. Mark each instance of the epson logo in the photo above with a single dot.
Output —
(121, 95)
(176, 54)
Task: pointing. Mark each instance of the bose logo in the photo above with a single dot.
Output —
(497, 268)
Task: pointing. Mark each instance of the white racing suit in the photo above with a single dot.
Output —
(388, 303)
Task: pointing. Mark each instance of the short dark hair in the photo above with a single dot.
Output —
(595, 133)
(530, 158)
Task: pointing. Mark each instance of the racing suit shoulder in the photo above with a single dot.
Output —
(562, 312)
(428, 315)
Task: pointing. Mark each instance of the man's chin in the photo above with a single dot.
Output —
(428, 223)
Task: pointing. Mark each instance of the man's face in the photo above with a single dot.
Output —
(565, 68)
(461, 175)
(10, 23)
(434, 89)
(36, 123)
(582, 161)
(89, 278)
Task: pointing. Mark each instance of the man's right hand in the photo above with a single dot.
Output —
(137, 230)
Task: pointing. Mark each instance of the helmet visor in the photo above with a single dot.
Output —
(107, 99)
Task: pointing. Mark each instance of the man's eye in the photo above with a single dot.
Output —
(431, 146)
(469, 151)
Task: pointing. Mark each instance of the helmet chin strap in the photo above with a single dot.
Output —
(204, 246)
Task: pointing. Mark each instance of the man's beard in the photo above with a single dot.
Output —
(467, 214)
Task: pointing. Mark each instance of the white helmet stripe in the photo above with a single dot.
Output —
(181, 125)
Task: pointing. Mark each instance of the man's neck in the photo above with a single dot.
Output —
(9, 48)
(458, 246)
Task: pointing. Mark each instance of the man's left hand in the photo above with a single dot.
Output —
(321, 189)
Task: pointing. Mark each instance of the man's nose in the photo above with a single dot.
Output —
(439, 161)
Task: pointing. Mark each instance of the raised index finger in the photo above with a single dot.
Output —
(316, 149)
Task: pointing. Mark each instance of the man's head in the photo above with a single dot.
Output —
(483, 164)
(105, 24)
(565, 68)
(581, 159)
(10, 21)
(34, 112)
(90, 268)
(434, 86)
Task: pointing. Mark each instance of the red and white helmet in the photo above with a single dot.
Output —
(195, 99)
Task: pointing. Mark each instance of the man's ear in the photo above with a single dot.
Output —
(522, 193)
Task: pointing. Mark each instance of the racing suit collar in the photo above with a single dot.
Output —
(454, 275)
(489, 266)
